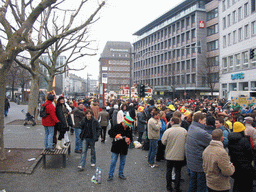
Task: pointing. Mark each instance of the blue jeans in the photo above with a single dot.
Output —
(6, 112)
(114, 158)
(197, 182)
(48, 138)
(78, 142)
(86, 142)
(152, 151)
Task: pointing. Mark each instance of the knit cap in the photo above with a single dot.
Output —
(238, 127)
(128, 121)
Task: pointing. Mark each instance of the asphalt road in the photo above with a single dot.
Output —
(140, 177)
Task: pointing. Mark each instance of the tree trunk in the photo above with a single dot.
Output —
(50, 81)
(13, 90)
(23, 92)
(3, 75)
(33, 96)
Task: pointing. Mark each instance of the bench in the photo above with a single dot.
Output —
(63, 152)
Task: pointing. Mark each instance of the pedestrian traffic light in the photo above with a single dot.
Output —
(141, 90)
(252, 53)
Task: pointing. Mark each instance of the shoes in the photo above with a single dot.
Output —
(92, 165)
(122, 177)
(79, 151)
(80, 168)
(110, 178)
(154, 166)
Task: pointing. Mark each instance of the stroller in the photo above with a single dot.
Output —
(29, 118)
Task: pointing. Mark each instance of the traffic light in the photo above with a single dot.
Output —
(141, 90)
(251, 53)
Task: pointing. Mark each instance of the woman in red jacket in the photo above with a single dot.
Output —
(48, 122)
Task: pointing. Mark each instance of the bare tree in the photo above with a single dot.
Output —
(17, 34)
(12, 78)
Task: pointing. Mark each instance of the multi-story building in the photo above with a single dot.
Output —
(237, 36)
(115, 62)
(167, 57)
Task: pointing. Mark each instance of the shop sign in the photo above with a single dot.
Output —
(201, 24)
(237, 76)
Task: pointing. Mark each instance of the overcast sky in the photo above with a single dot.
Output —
(119, 19)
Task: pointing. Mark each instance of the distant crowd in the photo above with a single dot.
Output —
(214, 140)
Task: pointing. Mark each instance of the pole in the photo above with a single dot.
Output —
(130, 87)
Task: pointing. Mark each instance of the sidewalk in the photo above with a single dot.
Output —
(140, 177)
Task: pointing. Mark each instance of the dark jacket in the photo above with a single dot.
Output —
(62, 115)
(241, 154)
(120, 146)
(114, 117)
(78, 116)
(96, 129)
(7, 104)
(132, 112)
(142, 121)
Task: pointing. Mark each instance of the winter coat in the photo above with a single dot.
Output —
(120, 115)
(120, 146)
(163, 125)
(132, 112)
(154, 127)
(225, 135)
(96, 129)
(95, 110)
(217, 167)
(114, 117)
(142, 121)
(6, 104)
(174, 139)
(197, 140)
(251, 131)
(241, 155)
(51, 118)
(103, 118)
(209, 128)
(62, 115)
(78, 116)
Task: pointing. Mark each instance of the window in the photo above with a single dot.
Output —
(224, 5)
(253, 2)
(238, 61)
(228, 20)
(212, 29)
(178, 52)
(193, 63)
(178, 26)
(231, 62)
(212, 14)
(183, 65)
(229, 39)
(213, 45)
(182, 37)
(234, 1)
(187, 21)
(224, 23)
(193, 33)
(193, 78)
(214, 77)
(224, 64)
(240, 16)
(188, 64)
(188, 79)
(234, 37)
(213, 61)
(178, 66)
(240, 34)
(224, 41)
(188, 35)
(254, 28)
(234, 17)
(178, 39)
(246, 10)
(193, 19)
(228, 3)
(182, 24)
(245, 59)
(246, 31)
(182, 52)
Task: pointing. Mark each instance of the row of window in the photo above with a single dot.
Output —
(237, 15)
(119, 68)
(212, 14)
(120, 75)
(239, 35)
(118, 81)
(118, 62)
(227, 4)
(242, 86)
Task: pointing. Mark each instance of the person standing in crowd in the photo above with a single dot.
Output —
(217, 165)
(121, 134)
(184, 123)
(197, 140)
(6, 106)
(62, 114)
(89, 135)
(78, 116)
(174, 139)
(210, 124)
(142, 122)
(95, 110)
(160, 146)
(103, 120)
(154, 126)
(219, 123)
(241, 156)
(114, 115)
(49, 122)
(122, 113)
(251, 131)
(74, 103)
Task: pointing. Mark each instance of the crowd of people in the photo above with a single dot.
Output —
(215, 141)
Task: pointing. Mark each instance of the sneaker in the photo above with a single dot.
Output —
(122, 177)
(110, 178)
(80, 168)
(92, 165)
(154, 166)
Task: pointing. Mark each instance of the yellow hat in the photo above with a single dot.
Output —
(171, 107)
(141, 109)
(238, 127)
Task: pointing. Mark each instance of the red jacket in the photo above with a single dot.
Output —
(50, 119)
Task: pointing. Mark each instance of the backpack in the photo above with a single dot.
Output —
(42, 111)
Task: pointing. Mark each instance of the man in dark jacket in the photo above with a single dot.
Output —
(90, 134)
(78, 116)
(121, 134)
(6, 107)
